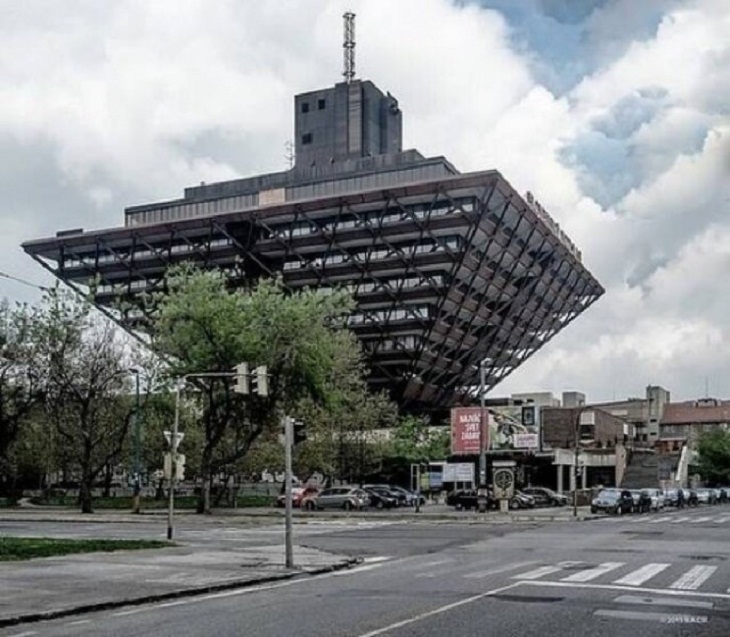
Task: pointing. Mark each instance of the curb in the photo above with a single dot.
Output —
(84, 609)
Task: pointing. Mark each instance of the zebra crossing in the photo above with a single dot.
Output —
(680, 577)
(673, 518)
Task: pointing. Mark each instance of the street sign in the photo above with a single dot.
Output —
(504, 483)
(458, 472)
(168, 436)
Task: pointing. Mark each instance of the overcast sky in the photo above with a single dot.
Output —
(615, 113)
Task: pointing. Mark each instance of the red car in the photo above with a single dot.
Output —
(297, 495)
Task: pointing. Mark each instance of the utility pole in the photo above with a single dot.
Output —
(482, 492)
(288, 442)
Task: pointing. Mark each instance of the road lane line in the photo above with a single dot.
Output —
(27, 633)
(437, 611)
(698, 520)
(663, 601)
(641, 575)
(666, 518)
(693, 578)
(722, 520)
(663, 618)
(680, 520)
(499, 569)
(593, 573)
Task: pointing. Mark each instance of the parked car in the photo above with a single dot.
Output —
(657, 499)
(642, 500)
(380, 498)
(546, 497)
(389, 491)
(706, 496)
(298, 495)
(671, 497)
(618, 501)
(521, 500)
(409, 497)
(347, 498)
(467, 499)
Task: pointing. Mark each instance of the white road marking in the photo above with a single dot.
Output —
(27, 633)
(641, 575)
(538, 572)
(680, 520)
(664, 618)
(434, 563)
(694, 578)
(593, 573)
(663, 601)
(722, 520)
(498, 569)
(697, 520)
(666, 518)
(79, 622)
(615, 587)
(437, 611)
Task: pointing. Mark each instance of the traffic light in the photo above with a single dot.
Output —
(300, 432)
(261, 380)
(243, 381)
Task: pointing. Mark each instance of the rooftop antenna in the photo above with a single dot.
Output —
(348, 47)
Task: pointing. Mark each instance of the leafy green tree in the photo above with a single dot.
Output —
(21, 387)
(204, 326)
(414, 440)
(713, 451)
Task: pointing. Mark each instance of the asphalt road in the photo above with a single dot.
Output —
(661, 574)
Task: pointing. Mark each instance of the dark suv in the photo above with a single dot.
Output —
(618, 501)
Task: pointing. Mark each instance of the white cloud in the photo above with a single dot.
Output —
(111, 104)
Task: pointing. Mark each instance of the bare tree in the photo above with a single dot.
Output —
(89, 396)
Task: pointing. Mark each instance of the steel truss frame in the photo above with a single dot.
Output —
(507, 288)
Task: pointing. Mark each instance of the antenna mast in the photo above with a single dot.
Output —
(348, 48)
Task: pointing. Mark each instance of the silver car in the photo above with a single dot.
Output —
(347, 498)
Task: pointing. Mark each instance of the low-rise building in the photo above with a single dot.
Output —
(687, 421)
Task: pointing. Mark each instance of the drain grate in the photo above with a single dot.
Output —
(704, 558)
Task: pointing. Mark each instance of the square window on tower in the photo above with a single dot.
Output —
(305, 107)
(307, 138)
(321, 104)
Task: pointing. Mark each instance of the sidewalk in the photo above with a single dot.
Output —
(56, 587)
(263, 515)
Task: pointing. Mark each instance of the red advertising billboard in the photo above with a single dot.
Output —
(466, 425)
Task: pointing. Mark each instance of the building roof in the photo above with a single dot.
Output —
(696, 412)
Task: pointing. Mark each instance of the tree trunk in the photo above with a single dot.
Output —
(85, 495)
(108, 480)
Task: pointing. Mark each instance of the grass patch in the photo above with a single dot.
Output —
(124, 503)
(26, 548)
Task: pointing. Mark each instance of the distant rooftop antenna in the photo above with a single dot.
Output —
(348, 47)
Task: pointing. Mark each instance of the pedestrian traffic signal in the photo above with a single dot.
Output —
(243, 381)
(261, 380)
(300, 432)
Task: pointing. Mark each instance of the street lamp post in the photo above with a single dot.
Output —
(173, 461)
(576, 434)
